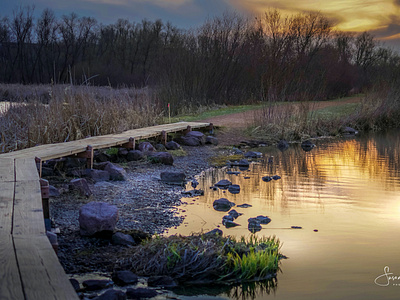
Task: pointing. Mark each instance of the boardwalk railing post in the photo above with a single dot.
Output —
(38, 161)
(187, 130)
(44, 188)
(130, 144)
(210, 128)
(163, 137)
(89, 157)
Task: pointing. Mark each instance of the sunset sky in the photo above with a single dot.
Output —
(382, 17)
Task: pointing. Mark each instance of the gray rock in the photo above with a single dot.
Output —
(97, 175)
(95, 285)
(223, 184)
(146, 147)
(263, 219)
(120, 238)
(123, 278)
(267, 178)
(123, 152)
(102, 157)
(178, 178)
(229, 224)
(227, 218)
(164, 158)
(53, 191)
(190, 141)
(161, 281)
(172, 145)
(254, 227)
(245, 205)
(140, 293)
(307, 145)
(253, 154)
(234, 189)
(212, 140)
(237, 151)
(350, 131)
(283, 145)
(234, 213)
(276, 177)
(111, 294)
(198, 135)
(241, 163)
(95, 217)
(116, 173)
(160, 147)
(215, 231)
(223, 204)
(134, 155)
(81, 185)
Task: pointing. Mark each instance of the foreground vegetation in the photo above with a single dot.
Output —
(206, 258)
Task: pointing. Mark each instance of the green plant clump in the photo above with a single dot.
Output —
(206, 258)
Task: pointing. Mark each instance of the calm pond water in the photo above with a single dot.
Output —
(348, 190)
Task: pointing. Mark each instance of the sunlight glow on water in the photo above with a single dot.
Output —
(349, 190)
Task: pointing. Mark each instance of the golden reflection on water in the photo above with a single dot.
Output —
(348, 190)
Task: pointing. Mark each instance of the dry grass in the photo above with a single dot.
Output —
(70, 113)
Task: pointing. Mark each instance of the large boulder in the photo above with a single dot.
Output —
(307, 145)
(96, 217)
(212, 140)
(283, 145)
(116, 173)
(161, 281)
(162, 158)
(223, 204)
(234, 189)
(198, 135)
(97, 175)
(146, 147)
(178, 178)
(134, 155)
(140, 293)
(223, 184)
(190, 141)
(172, 145)
(123, 278)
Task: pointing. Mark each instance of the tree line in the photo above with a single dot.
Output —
(227, 60)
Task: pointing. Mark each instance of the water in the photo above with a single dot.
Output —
(348, 190)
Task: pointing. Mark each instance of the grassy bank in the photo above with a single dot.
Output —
(50, 114)
(206, 258)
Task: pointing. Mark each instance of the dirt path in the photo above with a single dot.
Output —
(233, 125)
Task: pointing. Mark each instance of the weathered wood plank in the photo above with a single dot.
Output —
(6, 207)
(6, 169)
(10, 282)
(28, 210)
(41, 273)
(26, 169)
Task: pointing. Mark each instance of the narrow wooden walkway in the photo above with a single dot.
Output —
(29, 267)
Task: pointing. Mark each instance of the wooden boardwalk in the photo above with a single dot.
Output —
(29, 267)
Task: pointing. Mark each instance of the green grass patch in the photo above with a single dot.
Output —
(338, 111)
(112, 151)
(206, 258)
(220, 160)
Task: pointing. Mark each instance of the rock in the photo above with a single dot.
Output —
(215, 231)
(161, 281)
(234, 189)
(212, 140)
(134, 155)
(223, 204)
(283, 145)
(267, 178)
(74, 163)
(160, 147)
(140, 293)
(164, 158)
(111, 294)
(349, 131)
(75, 284)
(96, 217)
(81, 185)
(198, 135)
(237, 151)
(233, 172)
(123, 278)
(254, 227)
(229, 224)
(241, 163)
(223, 184)
(245, 205)
(97, 175)
(102, 157)
(123, 152)
(95, 285)
(120, 238)
(253, 154)
(296, 227)
(53, 191)
(193, 193)
(307, 145)
(190, 141)
(234, 213)
(178, 178)
(146, 147)
(276, 177)
(116, 173)
(227, 218)
(263, 219)
(172, 145)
